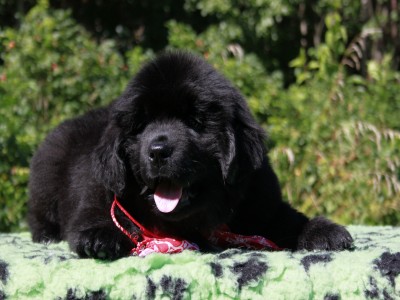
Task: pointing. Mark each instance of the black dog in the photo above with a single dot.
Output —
(182, 153)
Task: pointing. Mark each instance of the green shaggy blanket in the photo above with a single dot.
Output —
(371, 271)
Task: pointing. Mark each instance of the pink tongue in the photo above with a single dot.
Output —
(167, 196)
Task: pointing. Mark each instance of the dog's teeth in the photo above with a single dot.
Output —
(144, 190)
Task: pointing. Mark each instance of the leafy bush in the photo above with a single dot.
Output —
(337, 138)
(52, 70)
(333, 162)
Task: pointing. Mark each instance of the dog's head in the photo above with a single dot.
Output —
(183, 132)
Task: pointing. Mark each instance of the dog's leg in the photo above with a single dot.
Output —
(91, 233)
(264, 213)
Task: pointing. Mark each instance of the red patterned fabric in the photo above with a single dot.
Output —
(153, 243)
(164, 245)
(222, 237)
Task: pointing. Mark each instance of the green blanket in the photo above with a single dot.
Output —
(371, 271)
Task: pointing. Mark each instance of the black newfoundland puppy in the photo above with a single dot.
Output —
(183, 154)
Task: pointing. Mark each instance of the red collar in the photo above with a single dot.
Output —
(151, 242)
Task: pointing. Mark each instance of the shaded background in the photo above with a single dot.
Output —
(322, 77)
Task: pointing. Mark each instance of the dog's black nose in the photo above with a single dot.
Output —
(159, 152)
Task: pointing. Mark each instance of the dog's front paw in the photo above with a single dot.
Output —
(322, 234)
(102, 243)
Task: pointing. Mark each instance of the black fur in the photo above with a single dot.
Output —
(179, 121)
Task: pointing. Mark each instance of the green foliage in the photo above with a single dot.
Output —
(323, 60)
(334, 130)
(259, 25)
(258, 16)
(330, 160)
(338, 151)
(52, 71)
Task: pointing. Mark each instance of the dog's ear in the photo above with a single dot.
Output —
(128, 112)
(108, 165)
(246, 149)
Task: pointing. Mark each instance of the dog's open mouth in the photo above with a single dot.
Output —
(167, 195)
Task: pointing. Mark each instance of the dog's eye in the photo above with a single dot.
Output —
(196, 124)
(137, 127)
